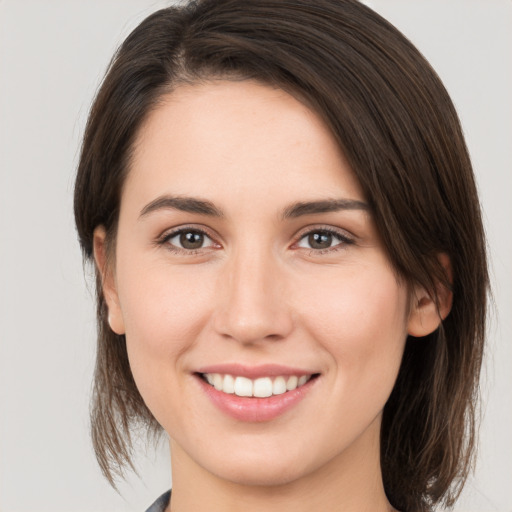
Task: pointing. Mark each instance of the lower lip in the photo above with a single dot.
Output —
(252, 409)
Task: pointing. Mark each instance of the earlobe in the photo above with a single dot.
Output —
(426, 314)
(109, 287)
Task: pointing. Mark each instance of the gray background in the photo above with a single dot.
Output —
(53, 54)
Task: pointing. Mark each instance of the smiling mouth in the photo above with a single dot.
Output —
(262, 387)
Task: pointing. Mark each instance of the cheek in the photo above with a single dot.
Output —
(361, 326)
(164, 310)
(361, 322)
(161, 303)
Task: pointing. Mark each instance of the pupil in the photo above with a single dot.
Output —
(191, 240)
(320, 240)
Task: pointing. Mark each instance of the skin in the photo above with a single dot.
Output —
(257, 292)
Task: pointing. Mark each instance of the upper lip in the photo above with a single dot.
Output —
(254, 372)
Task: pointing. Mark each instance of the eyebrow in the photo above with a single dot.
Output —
(298, 209)
(325, 206)
(184, 204)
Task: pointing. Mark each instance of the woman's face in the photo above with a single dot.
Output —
(246, 256)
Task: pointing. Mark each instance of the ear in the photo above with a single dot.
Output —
(108, 281)
(425, 315)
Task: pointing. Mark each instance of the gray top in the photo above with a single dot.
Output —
(160, 504)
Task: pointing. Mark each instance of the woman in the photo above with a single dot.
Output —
(291, 268)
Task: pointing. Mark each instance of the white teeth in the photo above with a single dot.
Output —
(229, 384)
(243, 386)
(279, 386)
(262, 387)
(302, 380)
(218, 381)
(292, 382)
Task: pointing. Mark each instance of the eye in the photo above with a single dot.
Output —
(322, 239)
(188, 240)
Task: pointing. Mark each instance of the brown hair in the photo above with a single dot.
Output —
(397, 126)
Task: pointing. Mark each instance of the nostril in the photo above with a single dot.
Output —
(254, 324)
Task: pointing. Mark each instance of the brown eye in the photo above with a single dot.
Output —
(320, 240)
(188, 240)
(191, 240)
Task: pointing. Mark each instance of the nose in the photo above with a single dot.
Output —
(252, 303)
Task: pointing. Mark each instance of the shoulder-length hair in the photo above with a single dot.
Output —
(396, 125)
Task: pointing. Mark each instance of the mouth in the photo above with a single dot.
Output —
(255, 394)
(262, 387)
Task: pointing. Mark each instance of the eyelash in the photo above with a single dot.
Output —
(166, 237)
(342, 237)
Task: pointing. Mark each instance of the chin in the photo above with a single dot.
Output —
(267, 475)
(274, 466)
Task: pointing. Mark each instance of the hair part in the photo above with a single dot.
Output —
(399, 131)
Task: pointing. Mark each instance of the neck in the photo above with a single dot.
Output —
(349, 482)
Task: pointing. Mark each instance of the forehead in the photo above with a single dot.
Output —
(225, 139)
